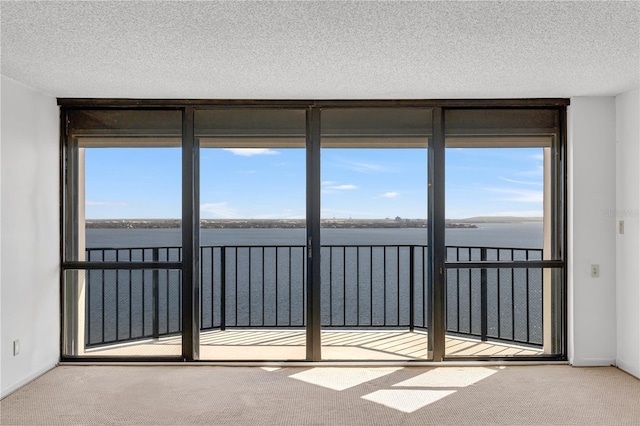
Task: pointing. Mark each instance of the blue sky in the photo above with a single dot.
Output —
(130, 183)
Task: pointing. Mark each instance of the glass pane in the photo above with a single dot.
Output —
(503, 187)
(123, 313)
(124, 186)
(503, 312)
(253, 233)
(501, 182)
(374, 233)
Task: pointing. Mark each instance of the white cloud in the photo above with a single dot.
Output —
(391, 194)
(342, 187)
(537, 171)
(364, 167)
(522, 182)
(106, 203)
(520, 195)
(219, 210)
(329, 186)
(250, 152)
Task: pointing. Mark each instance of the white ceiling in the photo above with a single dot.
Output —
(322, 50)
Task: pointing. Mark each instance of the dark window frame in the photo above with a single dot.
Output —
(190, 214)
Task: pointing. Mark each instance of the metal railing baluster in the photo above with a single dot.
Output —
(513, 306)
(249, 279)
(330, 285)
(412, 277)
(344, 286)
(527, 297)
(155, 298)
(277, 287)
(358, 285)
(384, 285)
(483, 297)
(499, 313)
(424, 289)
(103, 307)
(398, 283)
(223, 288)
(263, 284)
(167, 301)
(371, 286)
(289, 274)
(130, 303)
(213, 285)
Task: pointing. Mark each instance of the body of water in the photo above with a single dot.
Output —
(523, 235)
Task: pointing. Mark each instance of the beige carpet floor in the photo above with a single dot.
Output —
(207, 395)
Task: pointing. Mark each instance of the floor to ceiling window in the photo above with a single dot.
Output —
(124, 233)
(327, 230)
(374, 233)
(252, 233)
(502, 206)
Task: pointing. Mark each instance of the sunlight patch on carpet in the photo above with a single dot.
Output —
(341, 378)
(406, 400)
(449, 377)
(270, 368)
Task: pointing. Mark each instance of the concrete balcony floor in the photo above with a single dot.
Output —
(279, 345)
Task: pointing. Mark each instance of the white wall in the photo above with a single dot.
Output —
(628, 244)
(29, 259)
(592, 227)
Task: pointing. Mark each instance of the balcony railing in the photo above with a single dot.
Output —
(362, 286)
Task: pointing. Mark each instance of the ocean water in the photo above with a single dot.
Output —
(524, 235)
(360, 286)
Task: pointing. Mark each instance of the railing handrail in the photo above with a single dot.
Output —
(323, 245)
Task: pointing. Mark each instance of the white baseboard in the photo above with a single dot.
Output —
(592, 362)
(634, 370)
(31, 377)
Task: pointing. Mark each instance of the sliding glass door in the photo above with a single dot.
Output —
(252, 233)
(374, 233)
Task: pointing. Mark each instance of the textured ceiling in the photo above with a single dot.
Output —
(322, 50)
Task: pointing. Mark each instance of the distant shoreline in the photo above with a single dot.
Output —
(470, 223)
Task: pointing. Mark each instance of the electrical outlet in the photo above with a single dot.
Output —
(16, 347)
(595, 271)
